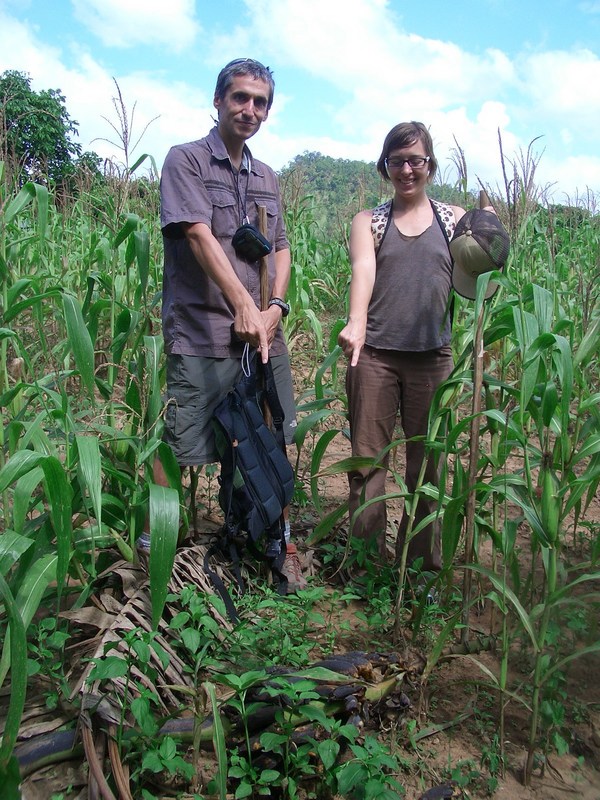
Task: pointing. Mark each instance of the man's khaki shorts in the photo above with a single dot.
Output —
(195, 386)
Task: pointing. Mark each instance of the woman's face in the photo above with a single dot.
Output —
(407, 178)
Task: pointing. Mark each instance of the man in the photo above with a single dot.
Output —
(211, 294)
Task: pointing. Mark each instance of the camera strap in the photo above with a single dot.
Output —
(236, 179)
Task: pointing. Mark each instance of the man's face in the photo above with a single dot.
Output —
(243, 108)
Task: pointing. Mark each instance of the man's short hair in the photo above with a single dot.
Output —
(244, 66)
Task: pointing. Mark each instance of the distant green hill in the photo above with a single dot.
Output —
(337, 188)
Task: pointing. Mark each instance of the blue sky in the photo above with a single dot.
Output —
(346, 71)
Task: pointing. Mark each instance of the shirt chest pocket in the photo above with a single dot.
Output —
(226, 215)
(272, 215)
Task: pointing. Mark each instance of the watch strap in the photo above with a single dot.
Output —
(278, 301)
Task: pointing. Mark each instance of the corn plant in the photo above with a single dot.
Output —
(319, 275)
(80, 384)
(542, 415)
(536, 456)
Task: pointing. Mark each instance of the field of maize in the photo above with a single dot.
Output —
(515, 633)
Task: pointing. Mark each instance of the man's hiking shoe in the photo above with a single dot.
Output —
(432, 598)
(292, 569)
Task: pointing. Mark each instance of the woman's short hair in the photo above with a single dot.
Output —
(244, 66)
(403, 135)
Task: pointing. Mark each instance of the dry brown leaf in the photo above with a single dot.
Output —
(89, 615)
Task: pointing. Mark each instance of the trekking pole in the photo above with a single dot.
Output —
(473, 457)
(264, 264)
(264, 293)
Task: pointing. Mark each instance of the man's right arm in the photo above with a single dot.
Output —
(184, 196)
(248, 324)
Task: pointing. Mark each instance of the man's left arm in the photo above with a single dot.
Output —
(272, 316)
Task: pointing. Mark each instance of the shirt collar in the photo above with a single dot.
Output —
(219, 151)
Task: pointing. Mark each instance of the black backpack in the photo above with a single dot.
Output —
(256, 480)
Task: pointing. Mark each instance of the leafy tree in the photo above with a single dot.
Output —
(35, 131)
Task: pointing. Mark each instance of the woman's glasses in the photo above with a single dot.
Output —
(414, 162)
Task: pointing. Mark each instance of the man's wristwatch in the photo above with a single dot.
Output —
(277, 301)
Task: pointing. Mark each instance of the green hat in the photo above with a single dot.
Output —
(480, 244)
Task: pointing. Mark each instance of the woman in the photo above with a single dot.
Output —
(397, 338)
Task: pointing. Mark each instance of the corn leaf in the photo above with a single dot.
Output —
(526, 328)
(12, 547)
(317, 456)
(59, 497)
(153, 347)
(218, 741)
(31, 302)
(18, 668)
(18, 203)
(125, 324)
(307, 423)
(80, 342)
(164, 527)
(329, 363)
(23, 495)
(90, 471)
(90, 467)
(27, 600)
(131, 224)
(142, 256)
(506, 592)
(589, 345)
(22, 462)
(327, 523)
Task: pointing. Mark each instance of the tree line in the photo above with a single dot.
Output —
(37, 144)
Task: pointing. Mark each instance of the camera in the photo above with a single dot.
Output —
(249, 243)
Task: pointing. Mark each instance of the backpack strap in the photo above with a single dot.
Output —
(225, 545)
(445, 217)
(382, 217)
(380, 222)
(270, 392)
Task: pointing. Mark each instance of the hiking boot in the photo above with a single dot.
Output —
(432, 598)
(292, 570)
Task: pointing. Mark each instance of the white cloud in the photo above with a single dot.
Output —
(360, 48)
(566, 136)
(367, 71)
(575, 179)
(183, 111)
(562, 82)
(20, 50)
(124, 23)
(387, 74)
